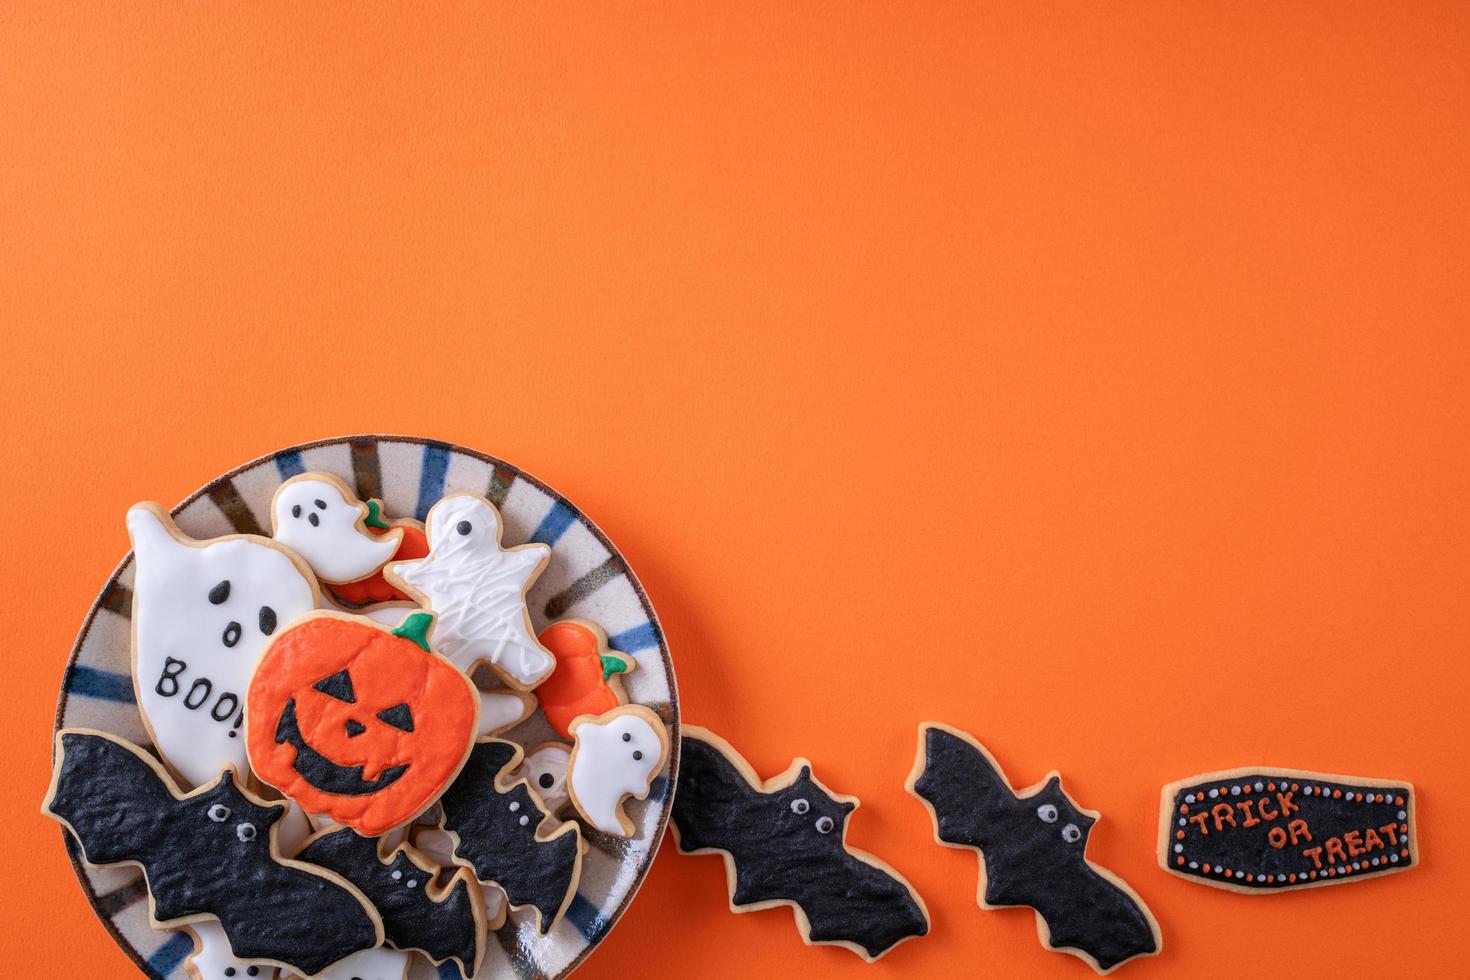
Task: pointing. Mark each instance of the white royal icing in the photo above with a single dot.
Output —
(193, 655)
(500, 710)
(381, 963)
(615, 756)
(317, 521)
(546, 771)
(213, 957)
(477, 591)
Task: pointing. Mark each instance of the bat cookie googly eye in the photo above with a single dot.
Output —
(1048, 813)
(219, 813)
(1071, 834)
(246, 832)
(824, 825)
(800, 807)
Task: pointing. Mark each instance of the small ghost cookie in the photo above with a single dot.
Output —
(545, 769)
(616, 756)
(213, 959)
(319, 518)
(375, 588)
(588, 675)
(383, 963)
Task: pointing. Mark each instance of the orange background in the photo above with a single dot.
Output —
(1091, 380)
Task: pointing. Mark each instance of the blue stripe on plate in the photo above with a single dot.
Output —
(168, 956)
(431, 477)
(289, 464)
(659, 788)
(448, 971)
(103, 685)
(635, 639)
(590, 922)
(554, 524)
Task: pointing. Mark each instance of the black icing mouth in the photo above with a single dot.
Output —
(324, 774)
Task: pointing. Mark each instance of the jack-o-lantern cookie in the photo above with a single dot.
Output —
(588, 676)
(616, 756)
(362, 724)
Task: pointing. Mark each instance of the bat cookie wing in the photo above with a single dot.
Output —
(784, 843)
(1032, 848)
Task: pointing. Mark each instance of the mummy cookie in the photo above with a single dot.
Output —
(502, 832)
(375, 588)
(357, 722)
(588, 675)
(443, 922)
(1263, 830)
(1033, 851)
(316, 516)
(203, 612)
(784, 842)
(477, 589)
(545, 769)
(616, 755)
(213, 959)
(207, 856)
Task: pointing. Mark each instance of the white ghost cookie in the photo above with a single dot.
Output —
(545, 768)
(213, 959)
(317, 516)
(203, 612)
(615, 756)
(477, 590)
(382, 963)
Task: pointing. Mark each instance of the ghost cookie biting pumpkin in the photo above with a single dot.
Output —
(588, 676)
(616, 756)
(319, 518)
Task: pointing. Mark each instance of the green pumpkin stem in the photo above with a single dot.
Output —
(416, 628)
(613, 665)
(374, 516)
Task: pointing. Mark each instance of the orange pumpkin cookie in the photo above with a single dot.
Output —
(376, 588)
(588, 676)
(362, 724)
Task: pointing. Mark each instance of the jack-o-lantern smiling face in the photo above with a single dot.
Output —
(361, 724)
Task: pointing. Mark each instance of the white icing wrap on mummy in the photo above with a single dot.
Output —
(203, 613)
(546, 770)
(615, 756)
(477, 590)
(213, 959)
(382, 963)
(316, 516)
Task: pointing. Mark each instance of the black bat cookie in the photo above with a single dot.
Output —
(207, 854)
(784, 843)
(497, 827)
(1033, 851)
(445, 923)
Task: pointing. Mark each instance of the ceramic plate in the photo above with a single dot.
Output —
(586, 578)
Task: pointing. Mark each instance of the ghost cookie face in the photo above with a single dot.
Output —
(203, 613)
(319, 518)
(545, 769)
(616, 756)
(477, 590)
(362, 724)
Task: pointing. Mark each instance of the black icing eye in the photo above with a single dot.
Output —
(627, 737)
(313, 520)
(338, 686)
(219, 593)
(232, 634)
(219, 813)
(1047, 812)
(637, 756)
(546, 780)
(267, 620)
(355, 728)
(825, 825)
(295, 510)
(320, 504)
(398, 716)
(1071, 834)
(254, 971)
(799, 807)
(229, 971)
(245, 831)
(463, 527)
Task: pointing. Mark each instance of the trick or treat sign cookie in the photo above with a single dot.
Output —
(1266, 830)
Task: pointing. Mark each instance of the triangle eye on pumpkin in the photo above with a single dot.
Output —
(399, 716)
(338, 686)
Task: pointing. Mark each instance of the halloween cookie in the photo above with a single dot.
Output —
(360, 723)
(376, 588)
(209, 855)
(438, 846)
(319, 518)
(444, 922)
(1033, 851)
(502, 832)
(588, 675)
(1261, 830)
(545, 768)
(212, 958)
(203, 613)
(382, 963)
(615, 756)
(784, 842)
(477, 590)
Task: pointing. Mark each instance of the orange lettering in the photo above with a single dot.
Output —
(1287, 807)
(1299, 831)
(1276, 837)
(1371, 840)
(1315, 854)
(1334, 850)
(1354, 841)
(1262, 805)
(1392, 830)
(1250, 818)
(1223, 815)
(1200, 818)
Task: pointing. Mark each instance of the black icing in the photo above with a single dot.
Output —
(267, 620)
(781, 854)
(323, 773)
(120, 809)
(1321, 827)
(313, 520)
(444, 929)
(338, 686)
(1031, 857)
(497, 834)
(220, 592)
(463, 527)
(400, 716)
(231, 635)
